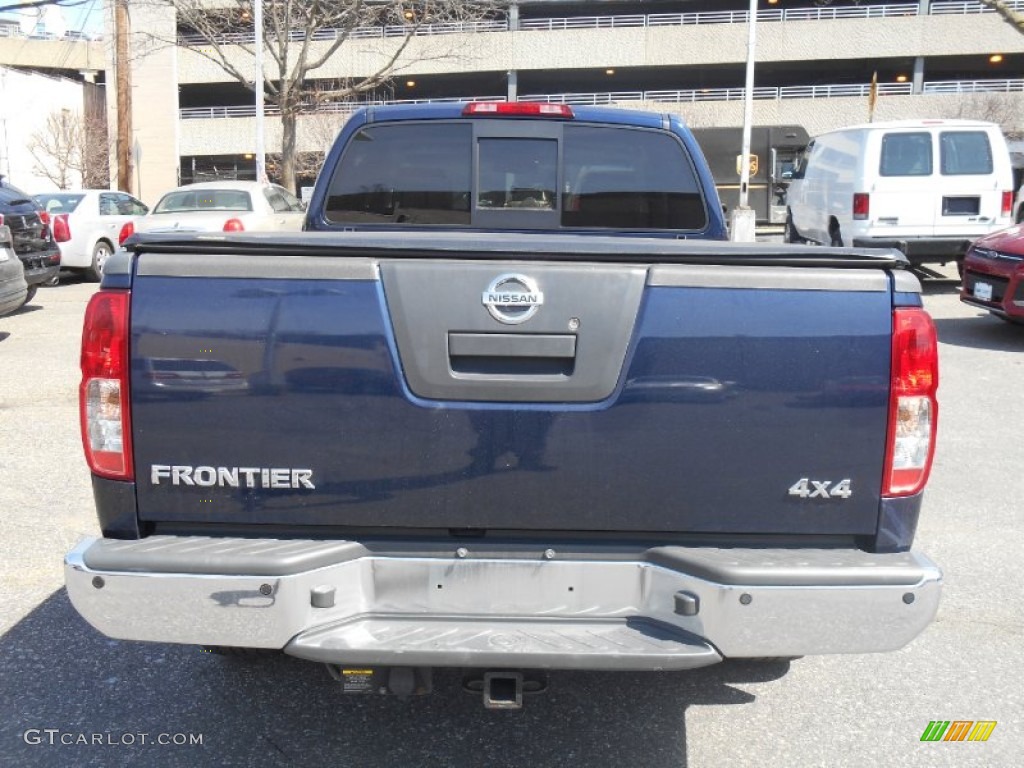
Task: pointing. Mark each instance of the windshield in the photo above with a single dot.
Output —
(187, 201)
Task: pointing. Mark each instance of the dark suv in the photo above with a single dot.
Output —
(31, 236)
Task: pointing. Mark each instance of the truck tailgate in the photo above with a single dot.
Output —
(387, 393)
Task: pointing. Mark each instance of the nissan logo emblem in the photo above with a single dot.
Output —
(512, 299)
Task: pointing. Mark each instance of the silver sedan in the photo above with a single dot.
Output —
(223, 206)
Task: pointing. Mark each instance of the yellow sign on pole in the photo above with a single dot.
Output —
(872, 96)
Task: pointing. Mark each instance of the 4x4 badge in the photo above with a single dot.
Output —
(805, 488)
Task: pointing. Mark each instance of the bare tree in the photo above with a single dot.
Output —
(300, 36)
(316, 130)
(56, 149)
(98, 147)
(1000, 108)
(71, 150)
(1012, 17)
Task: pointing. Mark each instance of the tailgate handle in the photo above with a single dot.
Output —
(512, 353)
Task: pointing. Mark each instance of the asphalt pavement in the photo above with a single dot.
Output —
(71, 697)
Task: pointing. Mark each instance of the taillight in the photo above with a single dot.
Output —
(126, 231)
(1007, 208)
(44, 216)
(61, 228)
(234, 225)
(861, 205)
(518, 108)
(913, 408)
(1, 219)
(103, 394)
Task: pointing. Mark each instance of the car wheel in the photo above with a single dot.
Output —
(100, 254)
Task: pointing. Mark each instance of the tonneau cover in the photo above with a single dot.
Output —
(473, 245)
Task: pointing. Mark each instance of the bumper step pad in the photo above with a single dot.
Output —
(627, 644)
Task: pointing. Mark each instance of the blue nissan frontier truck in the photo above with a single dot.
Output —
(509, 404)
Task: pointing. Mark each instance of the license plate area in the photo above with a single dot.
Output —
(961, 206)
(983, 291)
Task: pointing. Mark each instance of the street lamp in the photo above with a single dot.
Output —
(261, 150)
(743, 216)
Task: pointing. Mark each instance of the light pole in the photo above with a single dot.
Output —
(743, 216)
(261, 150)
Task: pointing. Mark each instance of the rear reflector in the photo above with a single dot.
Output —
(913, 408)
(861, 205)
(518, 108)
(103, 394)
(234, 225)
(61, 228)
(1007, 208)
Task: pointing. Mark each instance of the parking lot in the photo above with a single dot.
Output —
(62, 684)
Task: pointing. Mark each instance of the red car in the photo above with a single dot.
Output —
(994, 274)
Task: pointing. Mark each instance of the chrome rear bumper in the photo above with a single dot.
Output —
(662, 608)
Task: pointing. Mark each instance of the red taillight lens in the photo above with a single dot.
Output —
(234, 225)
(861, 205)
(1, 219)
(61, 228)
(1007, 208)
(126, 231)
(103, 394)
(913, 408)
(45, 217)
(517, 108)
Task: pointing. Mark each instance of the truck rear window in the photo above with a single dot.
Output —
(628, 180)
(518, 173)
(593, 177)
(404, 174)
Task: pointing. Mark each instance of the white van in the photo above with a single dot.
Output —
(925, 187)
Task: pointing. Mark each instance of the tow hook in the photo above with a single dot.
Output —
(504, 689)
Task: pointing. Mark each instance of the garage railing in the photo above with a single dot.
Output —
(824, 13)
(662, 96)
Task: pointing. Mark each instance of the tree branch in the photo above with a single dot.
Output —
(1014, 18)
